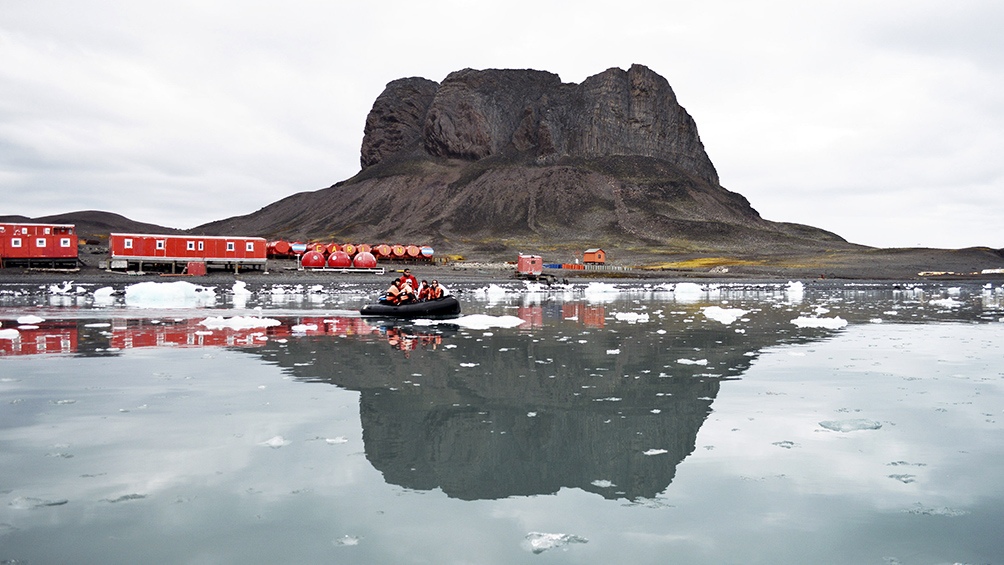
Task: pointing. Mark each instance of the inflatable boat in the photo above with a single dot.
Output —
(445, 307)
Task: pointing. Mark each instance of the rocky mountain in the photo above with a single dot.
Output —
(493, 161)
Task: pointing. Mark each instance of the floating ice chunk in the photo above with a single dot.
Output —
(539, 542)
(828, 323)
(303, 328)
(945, 303)
(692, 361)
(484, 321)
(61, 289)
(850, 425)
(602, 483)
(27, 327)
(104, 296)
(613, 351)
(469, 364)
(178, 294)
(240, 288)
(238, 322)
(346, 540)
(795, 291)
(492, 292)
(29, 319)
(276, 442)
(723, 315)
(688, 292)
(336, 440)
(631, 317)
(655, 452)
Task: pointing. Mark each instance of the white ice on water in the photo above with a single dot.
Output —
(29, 319)
(10, 334)
(275, 442)
(631, 317)
(655, 452)
(827, 323)
(178, 294)
(688, 292)
(945, 303)
(852, 425)
(723, 315)
(795, 291)
(539, 542)
(104, 296)
(477, 322)
(238, 322)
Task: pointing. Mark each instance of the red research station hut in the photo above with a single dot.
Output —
(188, 251)
(595, 256)
(38, 245)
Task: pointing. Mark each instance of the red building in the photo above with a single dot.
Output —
(231, 252)
(38, 244)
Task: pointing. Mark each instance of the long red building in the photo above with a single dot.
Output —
(38, 244)
(132, 249)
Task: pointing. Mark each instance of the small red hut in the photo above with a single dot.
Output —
(596, 256)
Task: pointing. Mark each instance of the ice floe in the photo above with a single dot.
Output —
(631, 317)
(178, 294)
(477, 322)
(852, 425)
(29, 319)
(238, 322)
(276, 442)
(945, 303)
(688, 292)
(9, 333)
(794, 291)
(655, 452)
(813, 322)
(723, 315)
(539, 542)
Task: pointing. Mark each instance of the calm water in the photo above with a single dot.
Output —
(614, 424)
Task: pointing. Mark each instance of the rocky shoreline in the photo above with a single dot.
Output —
(972, 265)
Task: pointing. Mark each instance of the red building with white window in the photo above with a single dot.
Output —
(38, 244)
(231, 252)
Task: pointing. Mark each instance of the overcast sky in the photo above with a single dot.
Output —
(882, 121)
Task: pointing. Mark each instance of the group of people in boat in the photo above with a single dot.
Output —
(407, 290)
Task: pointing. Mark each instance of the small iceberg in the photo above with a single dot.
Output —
(539, 542)
(178, 294)
(854, 425)
(827, 323)
(238, 322)
(723, 315)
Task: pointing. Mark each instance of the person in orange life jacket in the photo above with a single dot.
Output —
(407, 292)
(435, 291)
(423, 291)
(394, 293)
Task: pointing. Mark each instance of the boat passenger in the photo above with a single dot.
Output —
(435, 291)
(423, 291)
(394, 293)
(409, 278)
(407, 294)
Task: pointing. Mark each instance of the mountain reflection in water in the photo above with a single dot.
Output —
(488, 414)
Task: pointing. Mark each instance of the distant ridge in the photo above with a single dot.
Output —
(95, 224)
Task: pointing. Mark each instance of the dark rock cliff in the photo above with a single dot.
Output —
(493, 161)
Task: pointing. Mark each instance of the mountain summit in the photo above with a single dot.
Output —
(493, 161)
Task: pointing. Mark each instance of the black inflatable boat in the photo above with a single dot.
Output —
(445, 307)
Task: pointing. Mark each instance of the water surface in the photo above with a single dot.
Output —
(615, 423)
